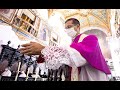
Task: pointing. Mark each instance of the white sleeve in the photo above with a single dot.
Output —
(76, 57)
(56, 56)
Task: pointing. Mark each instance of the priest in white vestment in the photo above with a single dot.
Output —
(83, 55)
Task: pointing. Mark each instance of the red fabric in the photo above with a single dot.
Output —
(40, 59)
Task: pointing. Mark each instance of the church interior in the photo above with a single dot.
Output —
(46, 26)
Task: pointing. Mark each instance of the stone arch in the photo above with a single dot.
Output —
(102, 40)
(98, 28)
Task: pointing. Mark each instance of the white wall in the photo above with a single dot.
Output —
(43, 13)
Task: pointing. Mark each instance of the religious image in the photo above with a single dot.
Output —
(7, 13)
(43, 32)
(16, 21)
(37, 22)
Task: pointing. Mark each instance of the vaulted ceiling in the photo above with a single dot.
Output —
(87, 17)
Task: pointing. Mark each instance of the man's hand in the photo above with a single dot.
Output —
(31, 48)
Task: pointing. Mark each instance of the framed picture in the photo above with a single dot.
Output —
(16, 21)
(7, 14)
(37, 22)
(43, 32)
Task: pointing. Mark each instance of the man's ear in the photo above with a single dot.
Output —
(78, 26)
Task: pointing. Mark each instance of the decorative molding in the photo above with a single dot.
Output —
(101, 15)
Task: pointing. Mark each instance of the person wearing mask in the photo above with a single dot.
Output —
(84, 53)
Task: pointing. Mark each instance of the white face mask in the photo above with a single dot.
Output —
(71, 32)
